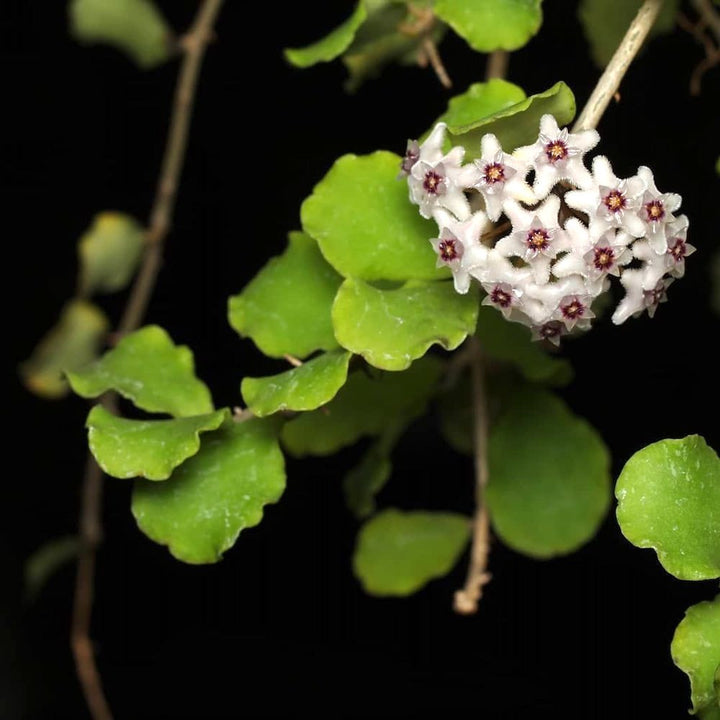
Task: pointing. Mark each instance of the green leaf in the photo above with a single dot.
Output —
(605, 23)
(510, 342)
(549, 485)
(285, 309)
(47, 560)
(147, 368)
(398, 552)
(368, 404)
(489, 25)
(332, 45)
(75, 341)
(219, 492)
(146, 448)
(669, 499)
(518, 124)
(391, 328)
(481, 100)
(307, 387)
(366, 226)
(134, 27)
(695, 650)
(110, 252)
(370, 475)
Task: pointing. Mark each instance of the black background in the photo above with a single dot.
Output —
(280, 627)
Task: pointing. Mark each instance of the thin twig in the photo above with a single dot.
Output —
(709, 61)
(712, 53)
(497, 64)
(194, 44)
(710, 16)
(617, 67)
(421, 28)
(466, 600)
(436, 62)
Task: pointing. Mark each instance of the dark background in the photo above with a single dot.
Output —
(280, 627)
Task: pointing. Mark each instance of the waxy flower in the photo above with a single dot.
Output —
(656, 210)
(678, 247)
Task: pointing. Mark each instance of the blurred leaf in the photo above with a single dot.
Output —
(481, 100)
(370, 475)
(518, 124)
(510, 342)
(365, 224)
(605, 23)
(146, 448)
(696, 651)
(47, 560)
(669, 499)
(489, 25)
(456, 414)
(110, 252)
(398, 552)
(285, 308)
(715, 279)
(216, 494)
(368, 404)
(134, 27)
(307, 387)
(549, 485)
(75, 341)
(391, 328)
(149, 369)
(332, 45)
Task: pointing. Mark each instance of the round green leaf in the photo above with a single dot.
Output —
(489, 25)
(518, 124)
(285, 309)
(399, 552)
(549, 485)
(75, 341)
(669, 499)
(147, 368)
(481, 100)
(695, 650)
(391, 328)
(605, 23)
(332, 45)
(306, 387)
(511, 342)
(134, 27)
(146, 448)
(222, 490)
(370, 403)
(365, 224)
(109, 252)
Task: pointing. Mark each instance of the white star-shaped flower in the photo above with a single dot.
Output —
(656, 211)
(610, 202)
(558, 155)
(498, 176)
(678, 247)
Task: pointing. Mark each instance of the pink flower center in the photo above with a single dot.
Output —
(494, 173)
(615, 201)
(448, 250)
(551, 330)
(655, 210)
(603, 259)
(500, 297)
(538, 239)
(678, 250)
(433, 182)
(556, 150)
(573, 310)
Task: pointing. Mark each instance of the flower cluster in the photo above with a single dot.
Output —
(543, 252)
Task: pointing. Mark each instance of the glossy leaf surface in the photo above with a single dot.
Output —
(149, 369)
(285, 308)
(146, 448)
(398, 552)
(219, 492)
(669, 499)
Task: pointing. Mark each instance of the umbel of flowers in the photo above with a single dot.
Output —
(543, 252)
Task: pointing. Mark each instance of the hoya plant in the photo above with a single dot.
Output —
(466, 289)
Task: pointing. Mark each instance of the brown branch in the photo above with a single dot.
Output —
(194, 45)
(422, 28)
(709, 15)
(617, 67)
(466, 600)
(431, 51)
(497, 64)
(712, 53)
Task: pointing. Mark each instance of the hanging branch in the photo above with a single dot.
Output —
(194, 45)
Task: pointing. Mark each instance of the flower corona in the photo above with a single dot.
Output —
(544, 252)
